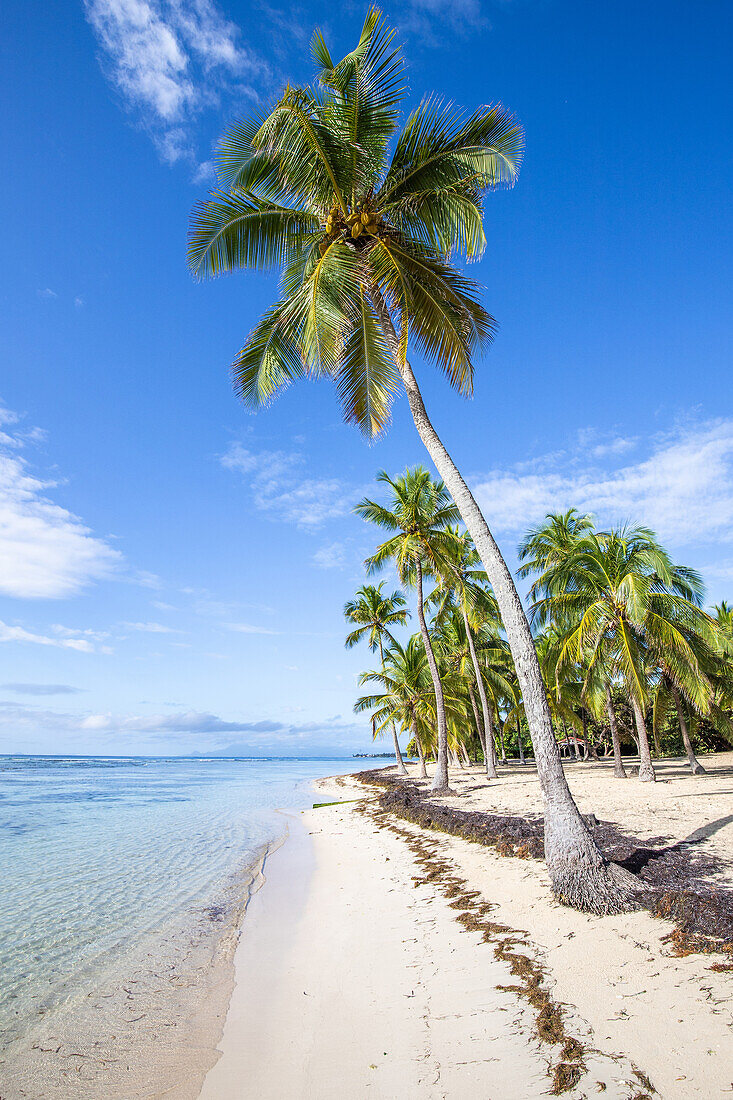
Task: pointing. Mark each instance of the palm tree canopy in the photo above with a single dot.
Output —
(624, 606)
(363, 237)
(374, 613)
(418, 519)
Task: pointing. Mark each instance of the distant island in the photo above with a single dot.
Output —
(371, 755)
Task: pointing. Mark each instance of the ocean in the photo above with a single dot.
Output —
(122, 879)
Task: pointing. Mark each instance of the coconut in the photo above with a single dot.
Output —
(356, 229)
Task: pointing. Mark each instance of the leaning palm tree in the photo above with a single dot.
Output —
(374, 614)
(418, 518)
(364, 237)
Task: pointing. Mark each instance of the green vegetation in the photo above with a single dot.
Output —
(625, 646)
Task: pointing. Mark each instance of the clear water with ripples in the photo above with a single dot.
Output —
(97, 854)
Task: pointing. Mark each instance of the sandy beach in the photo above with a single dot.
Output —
(381, 960)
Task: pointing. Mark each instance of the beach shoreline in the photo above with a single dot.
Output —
(386, 956)
(150, 1022)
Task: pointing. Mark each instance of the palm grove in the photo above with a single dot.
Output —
(365, 221)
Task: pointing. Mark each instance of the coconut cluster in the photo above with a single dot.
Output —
(361, 222)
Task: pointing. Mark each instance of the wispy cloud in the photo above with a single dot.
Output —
(45, 550)
(429, 18)
(249, 628)
(280, 487)
(151, 628)
(331, 556)
(62, 638)
(169, 59)
(683, 488)
(43, 689)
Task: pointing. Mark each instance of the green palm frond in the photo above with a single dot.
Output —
(366, 378)
(270, 360)
(439, 145)
(237, 230)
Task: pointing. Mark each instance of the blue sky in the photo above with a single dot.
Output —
(172, 569)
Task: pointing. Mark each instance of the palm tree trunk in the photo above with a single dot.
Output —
(520, 746)
(579, 873)
(401, 769)
(491, 742)
(488, 755)
(695, 766)
(440, 781)
(501, 740)
(619, 770)
(423, 773)
(477, 720)
(646, 768)
(464, 755)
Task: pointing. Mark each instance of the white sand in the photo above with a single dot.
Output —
(352, 982)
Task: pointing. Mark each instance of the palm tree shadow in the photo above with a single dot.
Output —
(679, 864)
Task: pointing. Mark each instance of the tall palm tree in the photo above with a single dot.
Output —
(418, 518)
(459, 650)
(374, 613)
(364, 238)
(407, 699)
(467, 580)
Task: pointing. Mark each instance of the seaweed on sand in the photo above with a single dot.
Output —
(678, 881)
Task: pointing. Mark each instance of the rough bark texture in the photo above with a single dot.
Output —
(646, 768)
(695, 766)
(580, 875)
(488, 755)
(619, 770)
(401, 769)
(440, 781)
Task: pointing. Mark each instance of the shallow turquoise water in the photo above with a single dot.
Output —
(98, 853)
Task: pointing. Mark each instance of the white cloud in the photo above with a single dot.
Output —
(169, 59)
(45, 550)
(151, 628)
(47, 293)
(248, 628)
(65, 640)
(278, 486)
(332, 556)
(683, 489)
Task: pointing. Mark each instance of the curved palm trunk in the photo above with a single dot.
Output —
(695, 766)
(401, 769)
(488, 745)
(501, 741)
(579, 873)
(440, 781)
(619, 770)
(646, 768)
(423, 773)
(476, 717)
